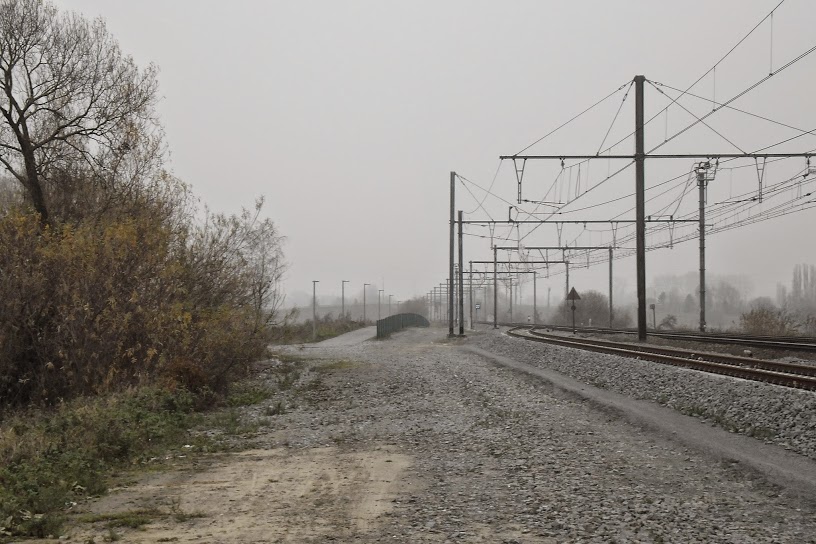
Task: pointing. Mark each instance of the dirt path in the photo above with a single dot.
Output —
(268, 496)
(417, 440)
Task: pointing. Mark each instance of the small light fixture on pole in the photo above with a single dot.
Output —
(314, 309)
(364, 300)
(343, 299)
(379, 312)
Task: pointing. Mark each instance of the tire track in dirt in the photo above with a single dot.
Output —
(278, 495)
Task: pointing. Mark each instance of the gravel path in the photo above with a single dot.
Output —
(493, 456)
(349, 339)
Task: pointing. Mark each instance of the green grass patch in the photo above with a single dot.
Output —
(51, 458)
(247, 393)
(303, 332)
(131, 519)
(338, 365)
(287, 373)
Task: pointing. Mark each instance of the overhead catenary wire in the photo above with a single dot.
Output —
(617, 113)
(715, 131)
(701, 119)
(725, 220)
(478, 204)
(735, 97)
(490, 188)
(762, 117)
(575, 117)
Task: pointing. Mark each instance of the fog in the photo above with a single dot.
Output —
(349, 116)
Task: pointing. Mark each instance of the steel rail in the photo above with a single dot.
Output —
(787, 343)
(784, 343)
(685, 361)
(724, 358)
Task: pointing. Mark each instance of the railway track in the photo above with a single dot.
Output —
(779, 373)
(782, 343)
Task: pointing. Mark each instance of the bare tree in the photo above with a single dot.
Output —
(67, 95)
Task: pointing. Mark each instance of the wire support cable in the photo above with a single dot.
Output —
(712, 129)
(617, 113)
(735, 97)
(733, 108)
(559, 127)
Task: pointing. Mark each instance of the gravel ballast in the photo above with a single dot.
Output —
(496, 457)
(771, 413)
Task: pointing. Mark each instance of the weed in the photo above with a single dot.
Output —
(337, 365)
(131, 519)
(180, 515)
(327, 327)
(229, 421)
(763, 433)
(247, 394)
(51, 457)
(288, 378)
(288, 357)
(312, 385)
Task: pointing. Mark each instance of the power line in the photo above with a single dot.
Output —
(616, 117)
(658, 89)
(736, 97)
(762, 117)
(602, 100)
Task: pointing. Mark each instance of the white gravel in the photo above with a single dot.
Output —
(499, 458)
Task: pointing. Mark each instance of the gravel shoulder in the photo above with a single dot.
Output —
(796, 473)
(417, 439)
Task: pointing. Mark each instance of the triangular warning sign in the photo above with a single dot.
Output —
(573, 295)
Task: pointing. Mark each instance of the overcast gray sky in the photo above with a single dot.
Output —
(349, 117)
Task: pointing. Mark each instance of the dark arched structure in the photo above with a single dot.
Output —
(394, 323)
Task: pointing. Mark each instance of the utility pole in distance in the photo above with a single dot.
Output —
(470, 295)
(314, 309)
(564, 249)
(703, 177)
(610, 287)
(639, 158)
(535, 300)
(343, 298)
(461, 282)
(567, 289)
(640, 207)
(452, 248)
(511, 297)
(364, 301)
(379, 297)
(495, 289)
